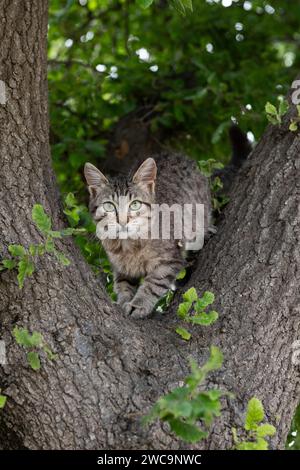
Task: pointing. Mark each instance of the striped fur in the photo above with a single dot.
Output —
(157, 262)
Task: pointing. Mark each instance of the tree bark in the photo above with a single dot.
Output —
(111, 369)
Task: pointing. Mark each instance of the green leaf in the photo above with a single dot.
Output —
(216, 184)
(174, 405)
(188, 4)
(9, 263)
(207, 167)
(215, 360)
(196, 377)
(22, 336)
(255, 414)
(265, 430)
(25, 269)
(273, 115)
(283, 107)
(205, 408)
(207, 298)
(219, 132)
(270, 109)
(54, 234)
(49, 245)
(179, 6)
(214, 394)
(234, 436)
(183, 309)
(41, 219)
(73, 215)
(70, 200)
(293, 126)
(34, 360)
(17, 250)
(3, 399)
(144, 3)
(181, 275)
(66, 232)
(62, 258)
(204, 318)
(190, 295)
(36, 339)
(259, 444)
(37, 250)
(33, 250)
(273, 120)
(185, 334)
(187, 432)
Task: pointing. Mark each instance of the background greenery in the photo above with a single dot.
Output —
(195, 73)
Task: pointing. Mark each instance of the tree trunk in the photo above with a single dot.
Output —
(111, 369)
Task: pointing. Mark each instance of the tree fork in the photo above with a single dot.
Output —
(110, 369)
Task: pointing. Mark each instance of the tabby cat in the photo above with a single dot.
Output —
(124, 206)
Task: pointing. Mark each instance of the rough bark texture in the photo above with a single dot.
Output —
(110, 370)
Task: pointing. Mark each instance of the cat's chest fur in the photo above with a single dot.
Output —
(132, 258)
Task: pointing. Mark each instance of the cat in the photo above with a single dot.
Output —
(123, 206)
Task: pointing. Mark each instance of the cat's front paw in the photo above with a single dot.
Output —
(135, 312)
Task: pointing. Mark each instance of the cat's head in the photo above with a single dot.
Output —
(120, 206)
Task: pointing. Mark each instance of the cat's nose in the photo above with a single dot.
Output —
(123, 219)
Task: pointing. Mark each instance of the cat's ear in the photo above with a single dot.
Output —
(145, 176)
(94, 178)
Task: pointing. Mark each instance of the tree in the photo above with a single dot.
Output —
(110, 369)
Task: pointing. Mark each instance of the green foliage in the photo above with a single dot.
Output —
(255, 414)
(144, 3)
(25, 269)
(34, 360)
(41, 219)
(182, 6)
(83, 227)
(17, 250)
(188, 410)
(207, 168)
(181, 275)
(256, 432)
(34, 344)
(165, 301)
(293, 440)
(23, 338)
(193, 310)
(295, 121)
(204, 74)
(185, 334)
(3, 399)
(275, 115)
(24, 259)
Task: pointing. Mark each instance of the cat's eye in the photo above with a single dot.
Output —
(108, 206)
(135, 205)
